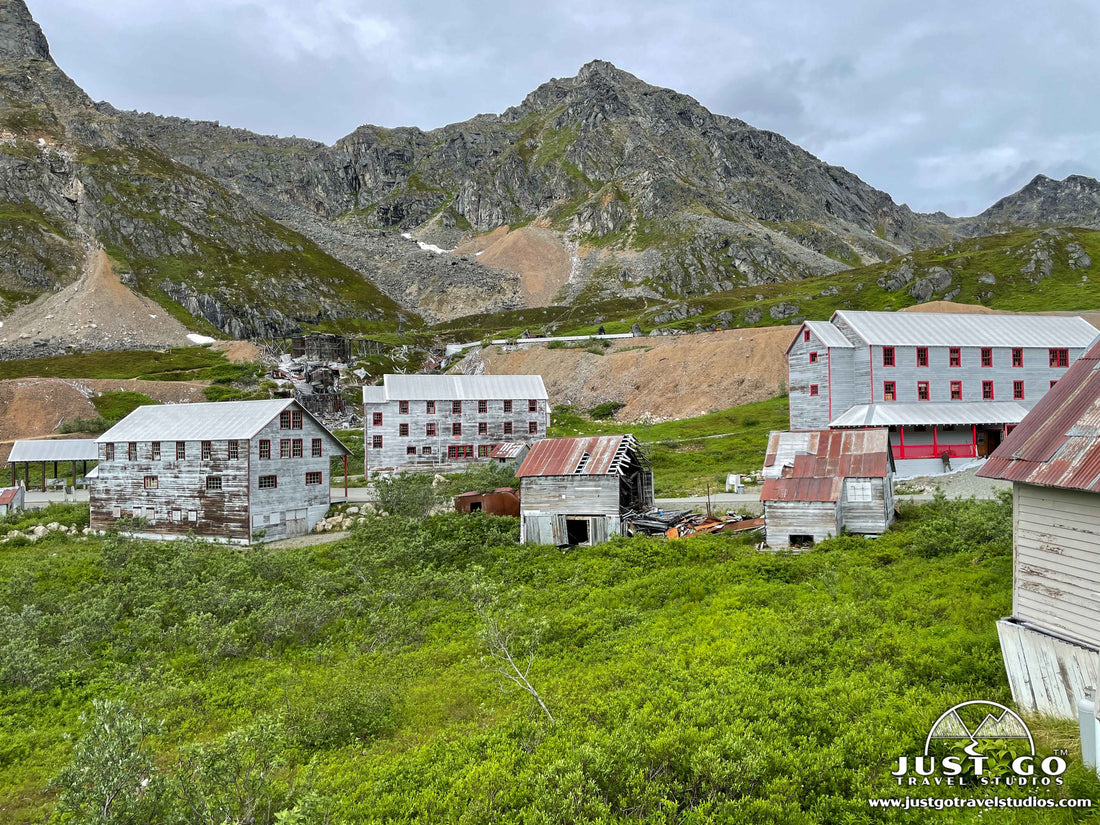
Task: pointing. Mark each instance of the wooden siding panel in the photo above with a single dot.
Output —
(808, 412)
(273, 508)
(783, 519)
(1047, 675)
(869, 517)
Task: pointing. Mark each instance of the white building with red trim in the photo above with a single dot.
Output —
(947, 386)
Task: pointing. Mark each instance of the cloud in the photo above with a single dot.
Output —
(938, 103)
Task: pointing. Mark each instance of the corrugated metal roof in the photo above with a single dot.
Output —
(462, 387)
(204, 422)
(829, 334)
(592, 455)
(509, 449)
(1058, 443)
(821, 460)
(961, 330)
(374, 395)
(890, 414)
(54, 449)
(8, 495)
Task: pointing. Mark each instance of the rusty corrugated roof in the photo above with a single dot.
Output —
(592, 455)
(1058, 442)
(509, 449)
(829, 456)
(8, 495)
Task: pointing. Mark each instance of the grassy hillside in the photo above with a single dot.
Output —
(690, 682)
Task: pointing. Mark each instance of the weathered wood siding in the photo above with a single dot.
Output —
(808, 412)
(867, 517)
(783, 519)
(180, 503)
(1048, 675)
(546, 503)
(1056, 581)
(293, 507)
(394, 456)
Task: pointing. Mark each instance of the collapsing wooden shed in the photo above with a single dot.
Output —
(819, 482)
(576, 490)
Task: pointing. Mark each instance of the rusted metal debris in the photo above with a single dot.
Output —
(675, 524)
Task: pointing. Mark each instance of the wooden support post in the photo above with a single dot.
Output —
(27, 475)
(345, 478)
(72, 473)
(43, 476)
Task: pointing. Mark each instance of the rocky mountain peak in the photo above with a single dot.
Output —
(1045, 201)
(604, 71)
(20, 37)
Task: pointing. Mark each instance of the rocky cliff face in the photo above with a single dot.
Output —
(72, 177)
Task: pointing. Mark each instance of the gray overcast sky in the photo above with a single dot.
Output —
(945, 105)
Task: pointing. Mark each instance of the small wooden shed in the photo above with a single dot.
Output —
(819, 482)
(576, 490)
(503, 501)
(1051, 643)
(12, 500)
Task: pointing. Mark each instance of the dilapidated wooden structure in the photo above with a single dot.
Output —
(236, 471)
(503, 501)
(1051, 643)
(577, 490)
(819, 482)
(12, 499)
(325, 346)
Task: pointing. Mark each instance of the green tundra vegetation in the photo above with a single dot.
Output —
(360, 681)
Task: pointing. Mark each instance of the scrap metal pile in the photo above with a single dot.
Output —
(676, 524)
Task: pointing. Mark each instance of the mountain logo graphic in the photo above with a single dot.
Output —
(998, 722)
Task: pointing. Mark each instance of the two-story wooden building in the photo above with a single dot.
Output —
(947, 386)
(231, 471)
(1051, 643)
(446, 422)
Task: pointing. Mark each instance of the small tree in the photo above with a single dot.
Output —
(409, 495)
(112, 777)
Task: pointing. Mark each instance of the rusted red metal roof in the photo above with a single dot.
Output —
(8, 495)
(567, 456)
(1058, 442)
(508, 449)
(822, 459)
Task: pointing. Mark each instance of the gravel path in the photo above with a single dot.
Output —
(963, 484)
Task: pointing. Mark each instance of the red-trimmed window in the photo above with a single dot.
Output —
(889, 391)
(426, 451)
(429, 407)
(987, 356)
(207, 449)
(317, 448)
(131, 451)
(507, 427)
(460, 451)
(1052, 383)
(483, 406)
(181, 450)
(1059, 357)
(403, 430)
(456, 407)
(1017, 357)
(987, 391)
(314, 478)
(922, 390)
(151, 482)
(376, 419)
(532, 405)
(532, 427)
(284, 420)
(265, 448)
(508, 405)
(956, 390)
(456, 428)
(296, 448)
(154, 450)
(213, 482)
(813, 389)
(284, 448)
(813, 357)
(268, 482)
(954, 357)
(295, 419)
(922, 356)
(376, 442)
(887, 356)
(482, 428)
(109, 449)
(410, 450)
(1018, 390)
(403, 407)
(805, 335)
(429, 428)
(232, 450)
(483, 450)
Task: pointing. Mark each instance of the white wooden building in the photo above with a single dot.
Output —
(576, 490)
(1051, 643)
(949, 387)
(232, 471)
(447, 422)
(819, 482)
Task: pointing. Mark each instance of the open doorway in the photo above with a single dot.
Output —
(576, 531)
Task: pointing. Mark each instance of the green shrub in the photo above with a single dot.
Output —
(408, 495)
